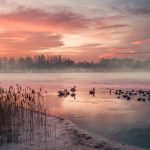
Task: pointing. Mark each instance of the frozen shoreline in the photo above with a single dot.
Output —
(64, 135)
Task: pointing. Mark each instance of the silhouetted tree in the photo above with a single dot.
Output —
(54, 63)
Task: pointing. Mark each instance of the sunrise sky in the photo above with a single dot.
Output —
(79, 29)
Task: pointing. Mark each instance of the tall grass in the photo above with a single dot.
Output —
(22, 111)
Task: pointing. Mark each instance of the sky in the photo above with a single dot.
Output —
(79, 29)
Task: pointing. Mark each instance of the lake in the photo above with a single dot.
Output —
(104, 114)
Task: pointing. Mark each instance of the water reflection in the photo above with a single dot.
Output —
(103, 113)
(106, 115)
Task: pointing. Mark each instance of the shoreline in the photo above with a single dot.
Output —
(67, 136)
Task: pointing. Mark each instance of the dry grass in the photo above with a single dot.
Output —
(21, 110)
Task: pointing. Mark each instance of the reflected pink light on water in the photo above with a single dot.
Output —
(103, 114)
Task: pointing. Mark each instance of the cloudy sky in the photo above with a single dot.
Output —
(79, 29)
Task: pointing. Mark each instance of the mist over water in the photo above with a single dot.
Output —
(106, 115)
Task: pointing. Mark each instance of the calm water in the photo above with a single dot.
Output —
(124, 121)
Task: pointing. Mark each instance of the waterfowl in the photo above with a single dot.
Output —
(110, 92)
(124, 96)
(139, 99)
(144, 95)
(73, 89)
(128, 98)
(61, 93)
(66, 92)
(92, 92)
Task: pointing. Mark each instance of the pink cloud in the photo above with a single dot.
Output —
(117, 52)
(32, 30)
(120, 49)
(141, 42)
(23, 42)
(38, 20)
(62, 22)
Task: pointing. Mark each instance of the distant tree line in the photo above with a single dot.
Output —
(58, 63)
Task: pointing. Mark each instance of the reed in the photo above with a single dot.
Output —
(22, 110)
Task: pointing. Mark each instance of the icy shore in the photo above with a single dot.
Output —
(62, 134)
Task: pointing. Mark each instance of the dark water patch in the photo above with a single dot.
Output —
(136, 136)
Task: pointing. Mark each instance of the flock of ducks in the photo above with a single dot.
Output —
(139, 95)
(65, 93)
(72, 92)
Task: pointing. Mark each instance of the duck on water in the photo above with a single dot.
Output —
(63, 93)
(92, 92)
